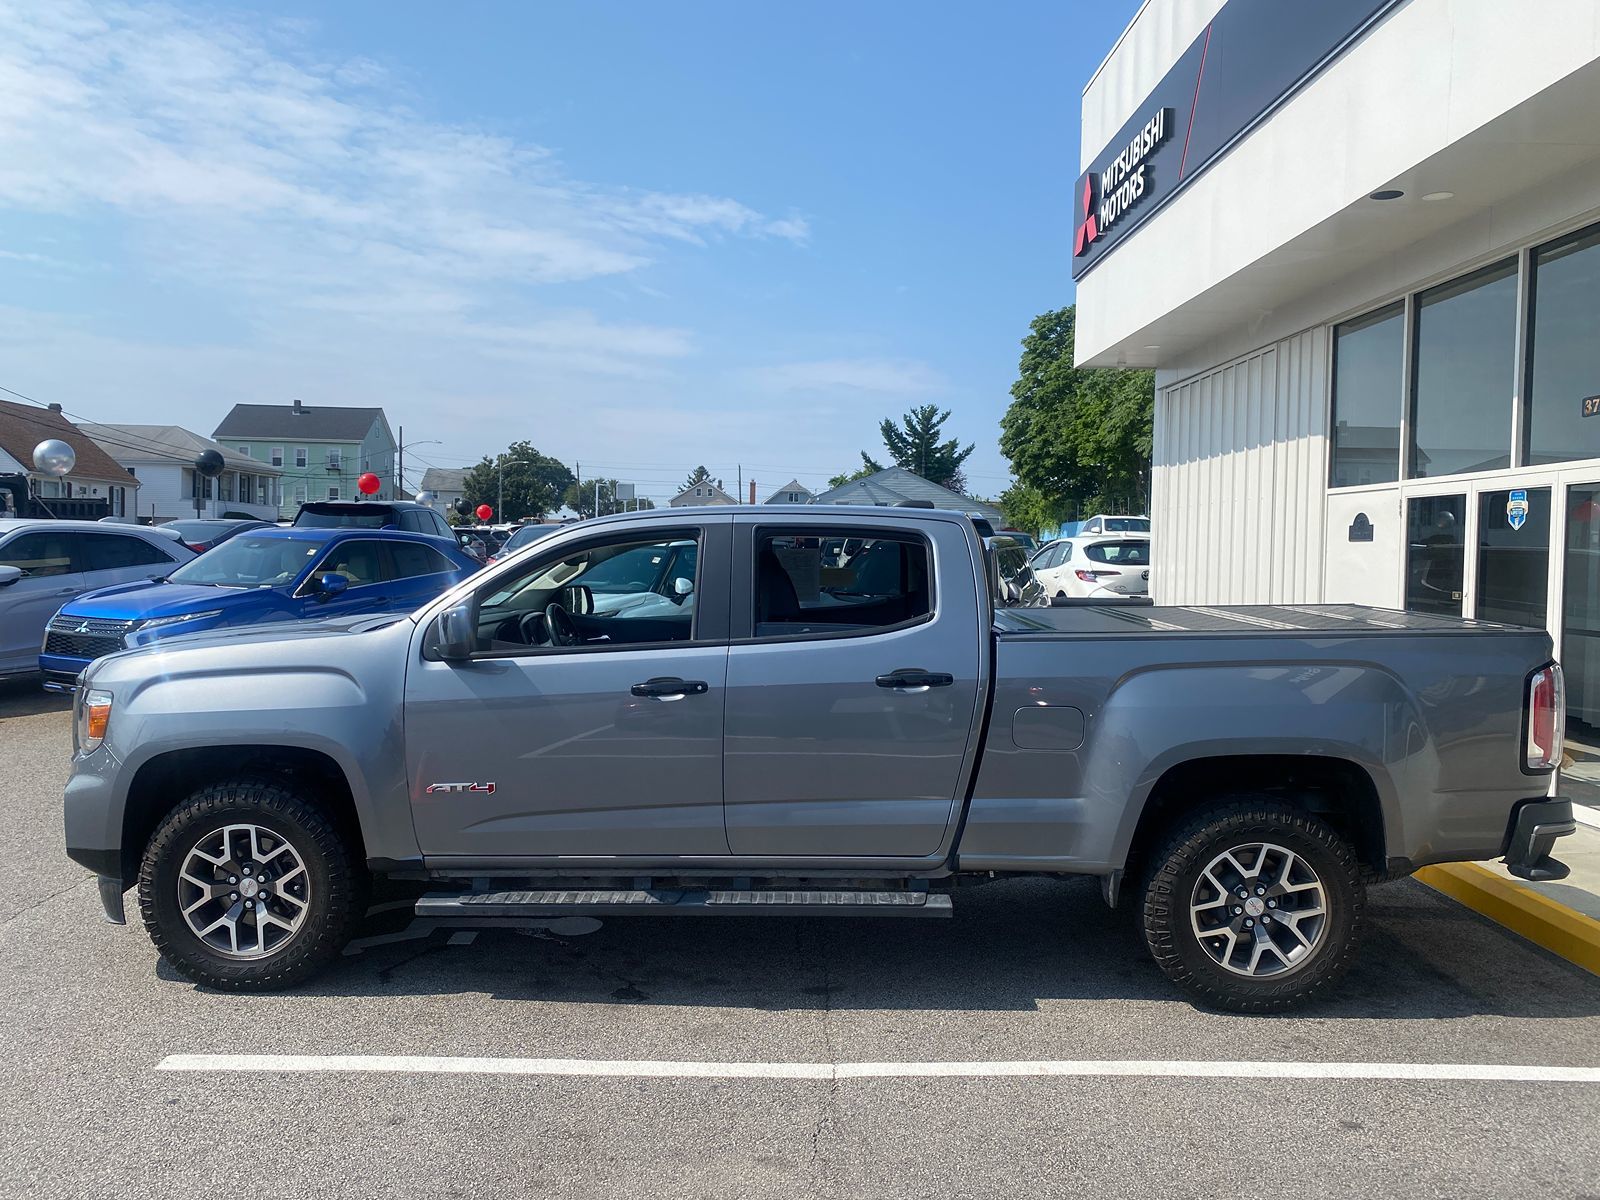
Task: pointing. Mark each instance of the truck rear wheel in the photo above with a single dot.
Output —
(1254, 906)
(247, 886)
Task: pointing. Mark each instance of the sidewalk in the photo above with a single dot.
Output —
(1563, 917)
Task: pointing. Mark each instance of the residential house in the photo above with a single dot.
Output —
(95, 487)
(896, 484)
(161, 458)
(448, 484)
(322, 449)
(793, 492)
(708, 491)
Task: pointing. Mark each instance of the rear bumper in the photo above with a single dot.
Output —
(1535, 826)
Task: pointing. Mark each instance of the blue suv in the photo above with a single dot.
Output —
(256, 577)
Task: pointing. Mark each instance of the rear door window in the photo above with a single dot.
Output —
(814, 582)
(412, 559)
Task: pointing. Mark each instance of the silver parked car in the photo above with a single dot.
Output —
(43, 564)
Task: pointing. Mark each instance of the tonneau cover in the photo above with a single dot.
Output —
(1254, 619)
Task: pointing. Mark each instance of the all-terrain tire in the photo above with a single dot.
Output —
(335, 885)
(1193, 846)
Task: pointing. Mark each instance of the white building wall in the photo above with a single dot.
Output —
(1239, 483)
(1160, 31)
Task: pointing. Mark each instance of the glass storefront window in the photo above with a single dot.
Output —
(1580, 623)
(1564, 351)
(1514, 556)
(1436, 530)
(1462, 378)
(1368, 390)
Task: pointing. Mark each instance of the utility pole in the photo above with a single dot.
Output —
(597, 496)
(739, 486)
(500, 490)
(400, 464)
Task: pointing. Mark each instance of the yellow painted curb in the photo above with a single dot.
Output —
(1572, 935)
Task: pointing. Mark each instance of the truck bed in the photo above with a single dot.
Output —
(1253, 619)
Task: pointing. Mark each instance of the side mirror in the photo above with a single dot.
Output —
(456, 634)
(330, 585)
(9, 575)
(682, 586)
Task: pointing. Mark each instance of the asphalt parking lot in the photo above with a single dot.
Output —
(1026, 971)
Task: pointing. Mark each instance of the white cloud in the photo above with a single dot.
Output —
(244, 162)
(879, 376)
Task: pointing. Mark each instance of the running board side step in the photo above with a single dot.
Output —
(493, 907)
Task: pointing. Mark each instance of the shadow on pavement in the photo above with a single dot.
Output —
(26, 697)
(1011, 945)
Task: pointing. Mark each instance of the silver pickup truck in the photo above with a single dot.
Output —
(783, 710)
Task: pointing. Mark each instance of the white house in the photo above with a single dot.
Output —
(708, 491)
(161, 458)
(447, 484)
(793, 492)
(97, 486)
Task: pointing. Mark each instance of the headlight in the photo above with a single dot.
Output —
(94, 714)
(158, 622)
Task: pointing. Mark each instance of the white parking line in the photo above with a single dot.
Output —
(1042, 1068)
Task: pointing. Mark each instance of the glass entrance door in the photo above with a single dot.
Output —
(1436, 531)
(1580, 639)
(1513, 569)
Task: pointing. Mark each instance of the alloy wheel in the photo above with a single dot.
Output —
(244, 891)
(1259, 910)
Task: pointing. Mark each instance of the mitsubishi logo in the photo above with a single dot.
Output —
(1088, 228)
(83, 628)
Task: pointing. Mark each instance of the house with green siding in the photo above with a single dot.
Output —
(322, 449)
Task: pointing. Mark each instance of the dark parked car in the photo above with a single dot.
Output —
(203, 534)
(405, 515)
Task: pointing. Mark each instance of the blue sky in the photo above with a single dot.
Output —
(642, 236)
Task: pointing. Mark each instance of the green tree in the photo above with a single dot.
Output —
(698, 475)
(867, 467)
(914, 444)
(1078, 439)
(518, 483)
(580, 498)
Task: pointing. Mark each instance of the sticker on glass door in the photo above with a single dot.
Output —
(1517, 509)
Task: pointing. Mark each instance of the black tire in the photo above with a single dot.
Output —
(1176, 874)
(336, 881)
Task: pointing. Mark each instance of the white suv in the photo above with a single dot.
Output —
(1109, 565)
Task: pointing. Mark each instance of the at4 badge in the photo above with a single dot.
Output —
(1517, 509)
(487, 789)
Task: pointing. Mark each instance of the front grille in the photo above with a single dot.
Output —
(84, 637)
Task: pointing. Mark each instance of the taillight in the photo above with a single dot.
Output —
(1547, 718)
(1087, 576)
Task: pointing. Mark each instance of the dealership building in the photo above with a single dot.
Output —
(1359, 242)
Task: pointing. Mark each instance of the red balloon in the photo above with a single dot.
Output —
(484, 512)
(369, 483)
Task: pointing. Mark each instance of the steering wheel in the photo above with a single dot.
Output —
(558, 622)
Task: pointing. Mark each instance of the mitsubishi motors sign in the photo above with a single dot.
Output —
(1252, 57)
(1110, 194)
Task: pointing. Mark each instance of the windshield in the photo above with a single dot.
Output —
(251, 562)
(635, 570)
(197, 530)
(1127, 524)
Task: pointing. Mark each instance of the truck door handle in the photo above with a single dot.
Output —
(670, 688)
(913, 678)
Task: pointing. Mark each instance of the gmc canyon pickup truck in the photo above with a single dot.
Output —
(784, 710)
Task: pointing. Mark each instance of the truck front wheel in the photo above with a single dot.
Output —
(247, 886)
(1254, 906)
